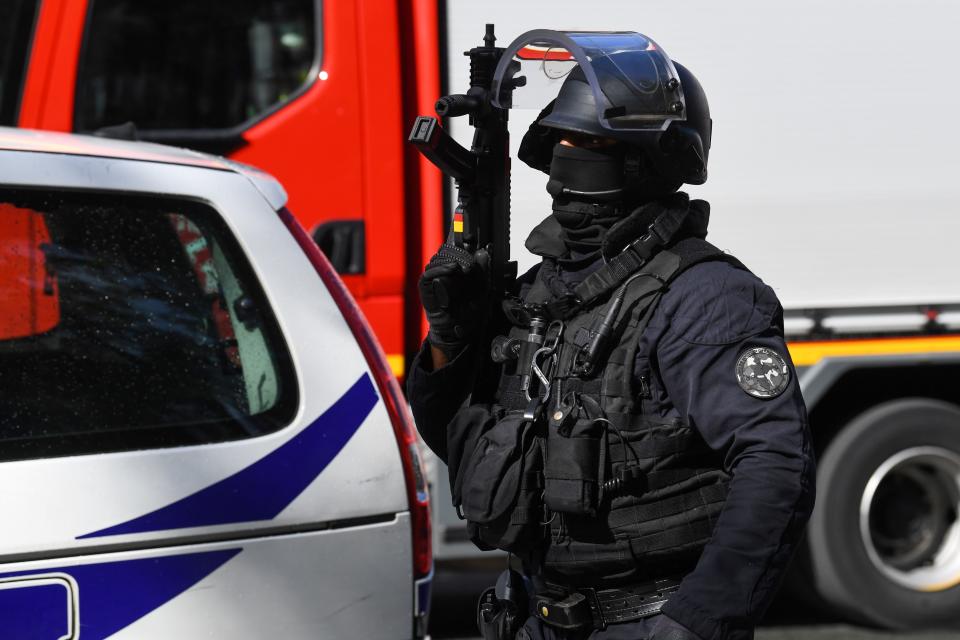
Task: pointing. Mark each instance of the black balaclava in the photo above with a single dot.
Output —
(591, 175)
(591, 193)
(586, 185)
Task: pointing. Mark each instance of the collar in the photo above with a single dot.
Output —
(546, 239)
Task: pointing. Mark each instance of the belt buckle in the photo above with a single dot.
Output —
(596, 611)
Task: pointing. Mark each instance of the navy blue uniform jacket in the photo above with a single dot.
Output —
(711, 314)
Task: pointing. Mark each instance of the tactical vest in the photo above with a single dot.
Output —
(594, 486)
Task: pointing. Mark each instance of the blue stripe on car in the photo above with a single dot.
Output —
(35, 609)
(263, 489)
(113, 595)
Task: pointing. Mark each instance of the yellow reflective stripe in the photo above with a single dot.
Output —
(458, 226)
(805, 354)
(396, 362)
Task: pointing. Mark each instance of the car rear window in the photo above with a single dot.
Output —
(182, 64)
(131, 323)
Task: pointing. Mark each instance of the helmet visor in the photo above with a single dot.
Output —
(635, 84)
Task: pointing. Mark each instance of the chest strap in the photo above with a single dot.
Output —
(616, 271)
(636, 254)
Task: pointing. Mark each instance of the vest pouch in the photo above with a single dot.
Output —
(500, 489)
(574, 457)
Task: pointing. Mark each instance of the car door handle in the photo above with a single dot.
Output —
(343, 243)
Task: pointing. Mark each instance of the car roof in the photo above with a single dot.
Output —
(32, 140)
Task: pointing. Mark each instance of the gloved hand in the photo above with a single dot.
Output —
(453, 291)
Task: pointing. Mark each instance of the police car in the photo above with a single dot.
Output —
(199, 435)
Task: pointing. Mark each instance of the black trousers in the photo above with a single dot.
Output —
(535, 629)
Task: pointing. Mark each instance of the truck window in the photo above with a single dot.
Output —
(17, 18)
(180, 64)
(28, 286)
(139, 324)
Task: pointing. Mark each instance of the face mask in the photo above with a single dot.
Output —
(586, 175)
(579, 216)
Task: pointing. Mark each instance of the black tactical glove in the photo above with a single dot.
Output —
(453, 290)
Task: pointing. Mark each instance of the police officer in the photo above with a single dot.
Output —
(648, 457)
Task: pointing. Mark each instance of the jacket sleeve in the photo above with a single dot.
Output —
(713, 314)
(436, 396)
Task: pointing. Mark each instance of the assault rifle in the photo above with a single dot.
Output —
(481, 219)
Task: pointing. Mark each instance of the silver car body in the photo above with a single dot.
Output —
(335, 561)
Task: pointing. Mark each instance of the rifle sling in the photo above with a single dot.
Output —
(616, 270)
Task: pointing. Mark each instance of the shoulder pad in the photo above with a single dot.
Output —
(693, 250)
(716, 302)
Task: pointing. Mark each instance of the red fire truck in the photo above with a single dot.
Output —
(832, 176)
(318, 94)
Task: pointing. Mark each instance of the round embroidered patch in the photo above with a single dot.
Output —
(762, 372)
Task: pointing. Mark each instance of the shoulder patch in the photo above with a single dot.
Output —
(762, 372)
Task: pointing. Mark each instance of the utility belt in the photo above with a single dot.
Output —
(584, 608)
(502, 609)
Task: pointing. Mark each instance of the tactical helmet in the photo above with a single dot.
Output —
(678, 153)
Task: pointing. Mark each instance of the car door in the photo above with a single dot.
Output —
(191, 441)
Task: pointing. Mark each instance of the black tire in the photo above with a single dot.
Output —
(846, 558)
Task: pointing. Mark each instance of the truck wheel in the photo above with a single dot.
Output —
(884, 536)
